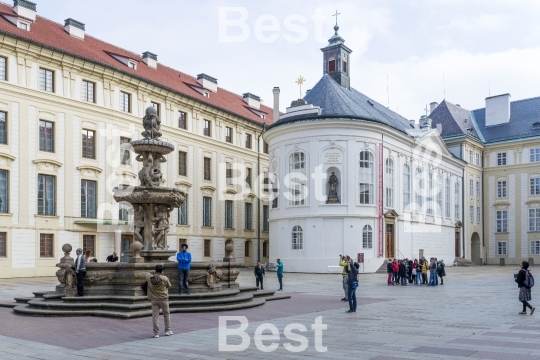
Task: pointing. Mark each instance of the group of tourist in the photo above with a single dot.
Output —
(415, 272)
(350, 280)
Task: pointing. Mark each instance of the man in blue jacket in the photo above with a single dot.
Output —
(184, 259)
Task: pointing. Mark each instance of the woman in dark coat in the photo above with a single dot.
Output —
(524, 291)
(403, 272)
(441, 271)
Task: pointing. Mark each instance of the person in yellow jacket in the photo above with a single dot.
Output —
(344, 262)
(425, 268)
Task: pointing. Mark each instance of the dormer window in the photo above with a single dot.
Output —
(23, 26)
(332, 65)
(132, 65)
(206, 94)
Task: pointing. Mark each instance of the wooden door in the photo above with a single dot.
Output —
(390, 241)
(458, 243)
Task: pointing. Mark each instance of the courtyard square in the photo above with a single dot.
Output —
(474, 316)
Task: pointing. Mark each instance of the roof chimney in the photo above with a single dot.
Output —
(497, 109)
(253, 101)
(25, 8)
(207, 82)
(425, 123)
(276, 104)
(150, 59)
(74, 28)
(413, 123)
(432, 106)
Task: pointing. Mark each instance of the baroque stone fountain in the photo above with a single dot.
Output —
(114, 289)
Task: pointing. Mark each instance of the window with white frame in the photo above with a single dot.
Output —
(366, 176)
(297, 238)
(471, 187)
(46, 80)
(501, 159)
(389, 183)
(125, 102)
(367, 237)
(439, 190)
(502, 221)
(183, 212)
(207, 211)
(534, 219)
(248, 216)
(457, 200)
(535, 247)
(471, 213)
(535, 186)
(406, 185)
(534, 155)
(229, 214)
(501, 188)
(447, 198)
(297, 166)
(3, 68)
(501, 248)
(478, 216)
(471, 156)
(478, 189)
(88, 91)
(429, 204)
(477, 159)
(419, 181)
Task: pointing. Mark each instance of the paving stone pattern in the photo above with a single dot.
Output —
(473, 316)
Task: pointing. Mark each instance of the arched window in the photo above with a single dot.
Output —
(297, 238)
(367, 237)
(429, 209)
(389, 183)
(406, 185)
(366, 178)
(332, 64)
(419, 189)
(297, 164)
(456, 201)
(439, 191)
(447, 198)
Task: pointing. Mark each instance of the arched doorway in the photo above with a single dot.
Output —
(476, 252)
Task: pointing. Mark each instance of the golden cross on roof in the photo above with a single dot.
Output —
(299, 82)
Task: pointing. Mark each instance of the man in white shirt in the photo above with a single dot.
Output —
(80, 271)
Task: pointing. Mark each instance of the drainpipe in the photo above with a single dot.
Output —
(259, 194)
(483, 217)
(463, 213)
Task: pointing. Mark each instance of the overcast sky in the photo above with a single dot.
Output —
(481, 46)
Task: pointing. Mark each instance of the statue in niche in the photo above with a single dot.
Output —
(138, 222)
(332, 194)
(161, 227)
(151, 124)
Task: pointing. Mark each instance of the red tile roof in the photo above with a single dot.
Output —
(53, 35)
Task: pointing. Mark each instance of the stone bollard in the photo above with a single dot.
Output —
(501, 261)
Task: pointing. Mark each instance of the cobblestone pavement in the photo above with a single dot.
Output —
(473, 316)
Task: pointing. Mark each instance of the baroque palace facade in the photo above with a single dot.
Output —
(69, 105)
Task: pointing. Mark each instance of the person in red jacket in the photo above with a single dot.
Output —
(395, 266)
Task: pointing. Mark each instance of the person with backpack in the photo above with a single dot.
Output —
(352, 283)
(525, 282)
(432, 272)
(158, 293)
(441, 271)
(402, 272)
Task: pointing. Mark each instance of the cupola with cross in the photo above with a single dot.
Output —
(336, 58)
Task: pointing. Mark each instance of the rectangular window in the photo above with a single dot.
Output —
(477, 159)
(535, 186)
(182, 120)
(478, 214)
(534, 155)
(46, 245)
(125, 150)
(501, 189)
(207, 247)
(3, 68)
(4, 191)
(228, 173)
(266, 183)
(156, 106)
(534, 219)
(502, 221)
(88, 91)
(207, 211)
(125, 102)
(266, 224)
(228, 135)
(89, 242)
(246, 248)
(249, 215)
(228, 214)
(207, 131)
(3, 244)
(265, 147)
(471, 156)
(88, 198)
(478, 189)
(535, 247)
(248, 177)
(501, 159)
(248, 141)
(501, 248)
(123, 210)
(471, 187)
(275, 195)
(457, 200)
(3, 128)
(265, 249)
(46, 80)
(183, 212)
(46, 195)
(447, 198)
(88, 148)
(182, 163)
(207, 169)
(471, 213)
(46, 136)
